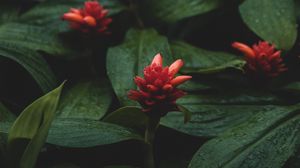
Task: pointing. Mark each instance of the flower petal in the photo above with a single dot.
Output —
(167, 87)
(89, 20)
(180, 79)
(157, 60)
(174, 68)
(73, 17)
(244, 48)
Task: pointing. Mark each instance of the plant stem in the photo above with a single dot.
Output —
(152, 125)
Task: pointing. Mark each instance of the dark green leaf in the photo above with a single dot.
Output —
(34, 38)
(80, 133)
(5, 117)
(213, 113)
(172, 11)
(126, 61)
(32, 62)
(192, 85)
(202, 61)
(293, 87)
(89, 100)
(272, 20)
(267, 139)
(130, 117)
(33, 123)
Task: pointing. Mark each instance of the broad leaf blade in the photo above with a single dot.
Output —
(172, 11)
(267, 139)
(130, 117)
(217, 111)
(272, 20)
(35, 38)
(32, 62)
(126, 61)
(89, 100)
(81, 133)
(33, 124)
(5, 117)
(203, 61)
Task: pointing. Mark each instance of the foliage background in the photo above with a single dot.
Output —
(236, 122)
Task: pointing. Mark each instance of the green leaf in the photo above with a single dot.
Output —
(32, 61)
(5, 117)
(213, 113)
(267, 139)
(31, 37)
(81, 133)
(126, 61)
(293, 87)
(203, 61)
(272, 20)
(89, 100)
(172, 11)
(130, 117)
(33, 123)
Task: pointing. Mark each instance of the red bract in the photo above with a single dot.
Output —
(91, 18)
(157, 92)
(262, 59)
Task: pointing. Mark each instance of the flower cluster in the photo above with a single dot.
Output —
(262, 59)
(91, 18)
(157, 92)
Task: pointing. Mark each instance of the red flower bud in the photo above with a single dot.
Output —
(91, 18)
(261, 59)
(157, 91)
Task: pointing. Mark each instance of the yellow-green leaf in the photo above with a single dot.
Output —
(33, 125)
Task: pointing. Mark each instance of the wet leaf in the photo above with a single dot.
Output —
(81, 133)
(172, 11)
(130, 117)
(88, 100)
(203, 61)
(272, 20)
(267, 139)
(213, 113)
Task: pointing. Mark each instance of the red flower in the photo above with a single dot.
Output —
(91, 18)
(262, 59)
(157, 90)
